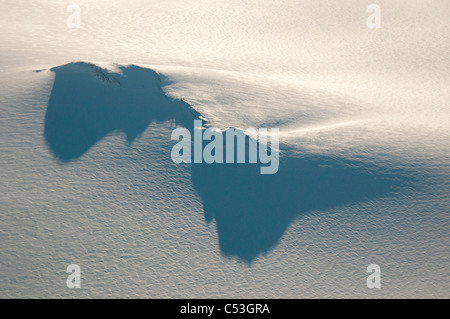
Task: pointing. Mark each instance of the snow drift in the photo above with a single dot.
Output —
(85, 169)
(252, 211)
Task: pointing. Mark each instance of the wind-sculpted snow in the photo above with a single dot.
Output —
(115, 203)
(86, 175)
(252, 211)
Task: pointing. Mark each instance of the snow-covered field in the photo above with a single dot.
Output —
(86, 177)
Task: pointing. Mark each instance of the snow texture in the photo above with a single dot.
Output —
(86, 175)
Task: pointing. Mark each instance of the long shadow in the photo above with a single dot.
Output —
(88, 103)
(252, 211)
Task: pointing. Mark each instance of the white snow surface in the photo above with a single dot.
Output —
(364, 173)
